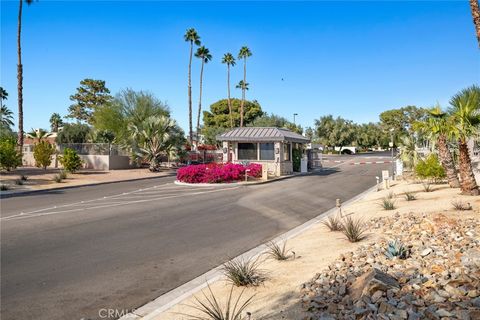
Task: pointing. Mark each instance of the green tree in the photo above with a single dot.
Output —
(6, 116)
(42, 153)
(219, 114)
(408, 151)
(402, 120)
(229, 60)
(70, 160)
(465, 110)
(91, 95)
(55, 122)
(38, 134)
(273, 120)
(191, 36)
(10, 158)
(244, 54)
(20, 73)
(203, 54)
(439, 129)
(73, 133)
(335, 132)
(430, 168)
(3, 96)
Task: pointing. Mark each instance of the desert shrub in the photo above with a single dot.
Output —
(387, 204)
(42, 153)
(410, 196)
(333, 222)
(73, 133)
(427, 187)
(244, 272)
(4, 187)
(430, 169)
(353, 229)
(70, 160)
(10, 158)
(255, 170)
(277, 252)
(396, 249)
(57, 178)
(390, 195)
(63, 174)
(23, 177)
(211, 309)
(461, 205)
(217, 173)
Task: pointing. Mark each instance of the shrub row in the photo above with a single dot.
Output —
(218, 173)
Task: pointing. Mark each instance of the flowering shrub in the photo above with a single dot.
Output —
(217, 173)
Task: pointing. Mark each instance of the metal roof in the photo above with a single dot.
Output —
(262, 134)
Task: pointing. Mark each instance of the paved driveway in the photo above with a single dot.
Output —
(68, 254)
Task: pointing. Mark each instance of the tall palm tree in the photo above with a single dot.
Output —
(408, 151)
(191, 36)
(243, 54)
(465, 110)
(38, 134)
(242, 85)
(3, 96)
(439, 128)
(20, 74)
(55, 122)
(229, 60)
(204, 54)
(476, 18)
(6, 117)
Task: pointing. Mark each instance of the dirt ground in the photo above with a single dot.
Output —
(316, 248)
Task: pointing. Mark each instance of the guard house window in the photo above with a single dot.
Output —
(247, 151)
(266, 151)
(286, 151)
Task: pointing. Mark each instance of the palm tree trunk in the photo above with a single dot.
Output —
(447, 162)
(200, 99)
(476, 18)
(190, 94)
(468, 184)
(243, 90)
(229, 103)
(20, 79)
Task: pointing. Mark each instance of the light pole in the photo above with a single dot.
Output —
(294, 115)
(391, 146)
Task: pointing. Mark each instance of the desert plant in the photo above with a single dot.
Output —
(461, 205)
(387, 204)
(390, 195)
(427, 187)
(333, 222)
(396, 249)
(410, 196)
(278, 252)
(63, 174)
(353, 229)
(57, 178)
(430, 169)
(4, 187)
(10, 158)
(43, 153)
(212, 310)
(243, 272)
(23, 177)
(19, 182)
(70, 160)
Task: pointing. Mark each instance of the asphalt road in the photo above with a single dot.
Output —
(69, 254)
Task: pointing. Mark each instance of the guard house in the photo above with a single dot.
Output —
(264, 145)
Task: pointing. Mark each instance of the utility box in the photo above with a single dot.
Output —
(264, 172)
(304, 165)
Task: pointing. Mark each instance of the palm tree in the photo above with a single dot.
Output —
(242, 85)
(6, 116)
(204, 54)
(243, 54)
(476, 18)
(3, 96)
(408, 151)
(55, 122)
(191, 36)
(229, 60)
(38, 134)
(20, 75)
(465, 111)
(439, 129)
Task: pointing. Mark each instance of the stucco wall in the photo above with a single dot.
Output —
(96, 162)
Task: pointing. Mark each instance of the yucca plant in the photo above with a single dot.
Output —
(333, 222)
(387, 204)
(461, 205)
(396, 249)
(427, 187)
(243, 272)
(410, 196)
(57, 178)
(390, 195)
(277, 252)
(211, 309)
(353, 229)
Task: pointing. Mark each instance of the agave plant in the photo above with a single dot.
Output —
(396, 249)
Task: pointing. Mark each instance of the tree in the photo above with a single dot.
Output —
(10, 158)
(335, 132)
(203, 54)
(229, 60)
(465, 110)
(219, 114)
(70, 160)
(408, 151)
(244, 54)
(402, 120)
(20, 74)
(6, 116)
(73, 133)
(3, 96)
(55, 122)
(191, 36)
(91, 95)
(274, 120)
(430, 168)
(476, 18)
(242, 85)
(42, 153)
(439, 128)
(38, 134)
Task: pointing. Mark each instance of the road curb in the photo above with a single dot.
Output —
(169, 299)
(27, 192)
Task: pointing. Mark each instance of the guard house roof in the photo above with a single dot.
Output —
(262, 134)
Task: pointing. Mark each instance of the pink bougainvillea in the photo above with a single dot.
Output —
(217, 173)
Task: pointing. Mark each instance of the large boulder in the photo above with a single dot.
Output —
(371, 282)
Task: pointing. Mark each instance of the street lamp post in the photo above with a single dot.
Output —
(294, 115)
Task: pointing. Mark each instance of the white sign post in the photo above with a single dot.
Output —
(385, 179)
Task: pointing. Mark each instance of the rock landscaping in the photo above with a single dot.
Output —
(439, 278)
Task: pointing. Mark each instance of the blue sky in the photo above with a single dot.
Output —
(353, 59)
